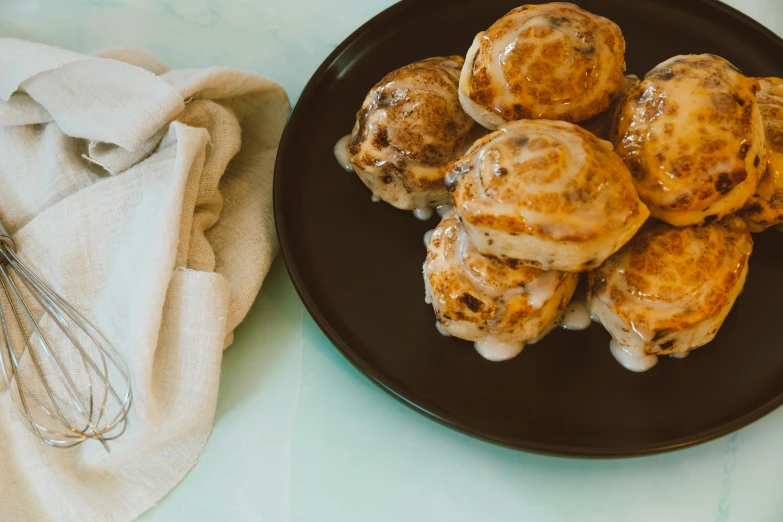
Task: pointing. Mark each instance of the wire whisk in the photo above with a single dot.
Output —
(68, 383)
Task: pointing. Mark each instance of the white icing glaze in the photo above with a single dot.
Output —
(576, 316)
(423, 213)
(595, 319)
(496, 351)
(679, 355)
(427, 236)
(442, 210)
(375, 199)
(631, 361)
(341, 153)
(541, 289)
(441, 330)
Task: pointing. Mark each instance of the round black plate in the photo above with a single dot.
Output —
(357, 265)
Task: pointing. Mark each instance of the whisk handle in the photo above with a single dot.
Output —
(5, 237)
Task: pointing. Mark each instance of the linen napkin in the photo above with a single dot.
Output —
(143, 195)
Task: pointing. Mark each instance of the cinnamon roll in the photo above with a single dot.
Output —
(550, 61)
(498, 304)
(547, 194)
(669, 289)
(410, 125)
(765, 208)
(691, 134)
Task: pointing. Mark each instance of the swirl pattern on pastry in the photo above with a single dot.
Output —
(551, 61)
(546, 193)
(410, 125)
(485, 299)
(765, 208)
(691, 134)
(670, 289)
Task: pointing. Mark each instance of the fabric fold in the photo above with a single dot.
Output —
(82, 93)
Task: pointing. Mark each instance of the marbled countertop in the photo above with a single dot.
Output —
(300, 435)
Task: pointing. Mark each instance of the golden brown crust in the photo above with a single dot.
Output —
(765, 208)
(410, 125)
(544, 178)
(692, 137)
(667, 280)
(553, 61)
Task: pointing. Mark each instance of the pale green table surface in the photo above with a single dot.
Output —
(300, 435)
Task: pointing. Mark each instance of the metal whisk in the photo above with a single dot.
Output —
(68, 382)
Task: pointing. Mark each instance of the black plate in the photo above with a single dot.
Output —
(357, 265)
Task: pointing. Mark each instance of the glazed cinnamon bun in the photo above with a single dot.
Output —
(691, 134)
(669, 289)
(410, 125)
(498, 304)
(547, 194)
(550, 61)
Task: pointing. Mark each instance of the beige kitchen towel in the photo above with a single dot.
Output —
(144, 195)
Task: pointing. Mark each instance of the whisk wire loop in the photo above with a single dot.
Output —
(68, 391)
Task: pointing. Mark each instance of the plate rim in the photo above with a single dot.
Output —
(419, 405)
